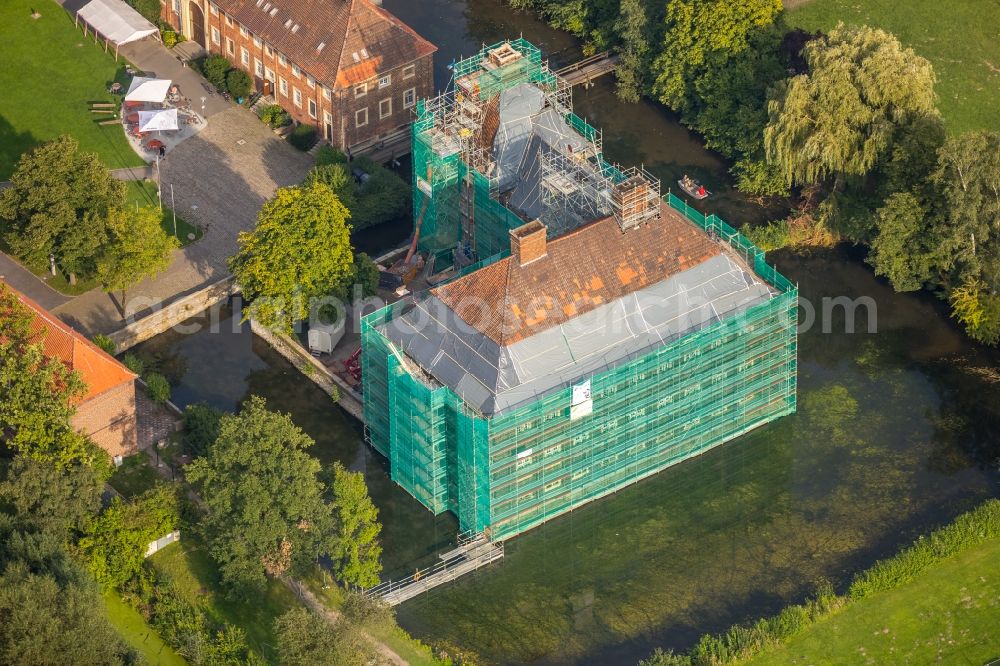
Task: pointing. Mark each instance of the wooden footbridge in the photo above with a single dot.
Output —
(474, 551)
(588, 69)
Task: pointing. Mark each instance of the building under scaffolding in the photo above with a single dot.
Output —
(595, 334)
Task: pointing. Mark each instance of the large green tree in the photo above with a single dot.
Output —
(968, 179)
(299, 250)
(50, 611)
(357, 550)
(902, 251)
(36, 392)
(266, 513)
(634, 50)
(839, 119)
(136, 248)
(51, 499)
(56, 205)
(697, 31)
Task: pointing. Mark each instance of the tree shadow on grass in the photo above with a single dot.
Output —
(12, 145)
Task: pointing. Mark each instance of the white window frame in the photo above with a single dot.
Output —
(244, 56)
(244, 32)
(409, 71)
(358, 116)
(268, 51)
(258, 68)
(230, 47)
(268, 74)
(229, 20)
(216, 36)
(384, 114)
(257, 41)
(310, 81)
(212, 9)
(312, 107)
(296, 72)
(327, 93)
(283, 86)
(282, 60)
(360, 90)
(412, 94)
(297, 97)
(385, 81)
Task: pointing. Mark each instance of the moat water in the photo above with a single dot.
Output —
(897, 432)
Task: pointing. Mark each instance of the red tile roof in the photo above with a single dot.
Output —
(298, 28)
(98, 370)
(581, 270)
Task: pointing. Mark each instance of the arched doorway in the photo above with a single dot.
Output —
(197, 24)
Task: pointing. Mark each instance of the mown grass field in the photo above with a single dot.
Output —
(961, 38)
(50, 73)
(949, 614)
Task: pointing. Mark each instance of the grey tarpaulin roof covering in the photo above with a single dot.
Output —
(527, 127)
(495, 379)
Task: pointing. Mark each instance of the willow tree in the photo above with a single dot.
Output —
(839, 118)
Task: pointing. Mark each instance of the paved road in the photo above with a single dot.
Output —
(220, 177)
(151, 56)
(27, 283)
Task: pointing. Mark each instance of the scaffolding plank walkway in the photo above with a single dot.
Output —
(588, 69)
(473, 552)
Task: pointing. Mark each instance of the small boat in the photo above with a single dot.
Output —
(693, 189)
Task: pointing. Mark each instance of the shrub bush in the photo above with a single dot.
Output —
(201, 428)
(115, 542)
(273, 115)
(150, 9)
(215, 68)
(303, 137)
(134, 363)
(330, 155)
(157, 387)
(169, 38)
(382, 198)
(238, 83)
(105, 343)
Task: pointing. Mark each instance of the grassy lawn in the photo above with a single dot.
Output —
(144, 193)
(135, 476)
(410, 649)
(961, 39)
(133, 628)
(196, 577)
(50, 72)
(949, 614)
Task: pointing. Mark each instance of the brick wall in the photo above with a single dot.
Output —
(110, 420)
(334, 111)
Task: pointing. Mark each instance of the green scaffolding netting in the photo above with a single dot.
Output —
(513, 471)
(520, 468)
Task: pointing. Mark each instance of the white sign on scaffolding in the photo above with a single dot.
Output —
(583, 404)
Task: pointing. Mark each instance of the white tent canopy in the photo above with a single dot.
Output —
(115, 21)
(156, 121)
(147, 90)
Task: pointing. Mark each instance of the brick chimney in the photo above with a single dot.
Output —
(527, 242)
